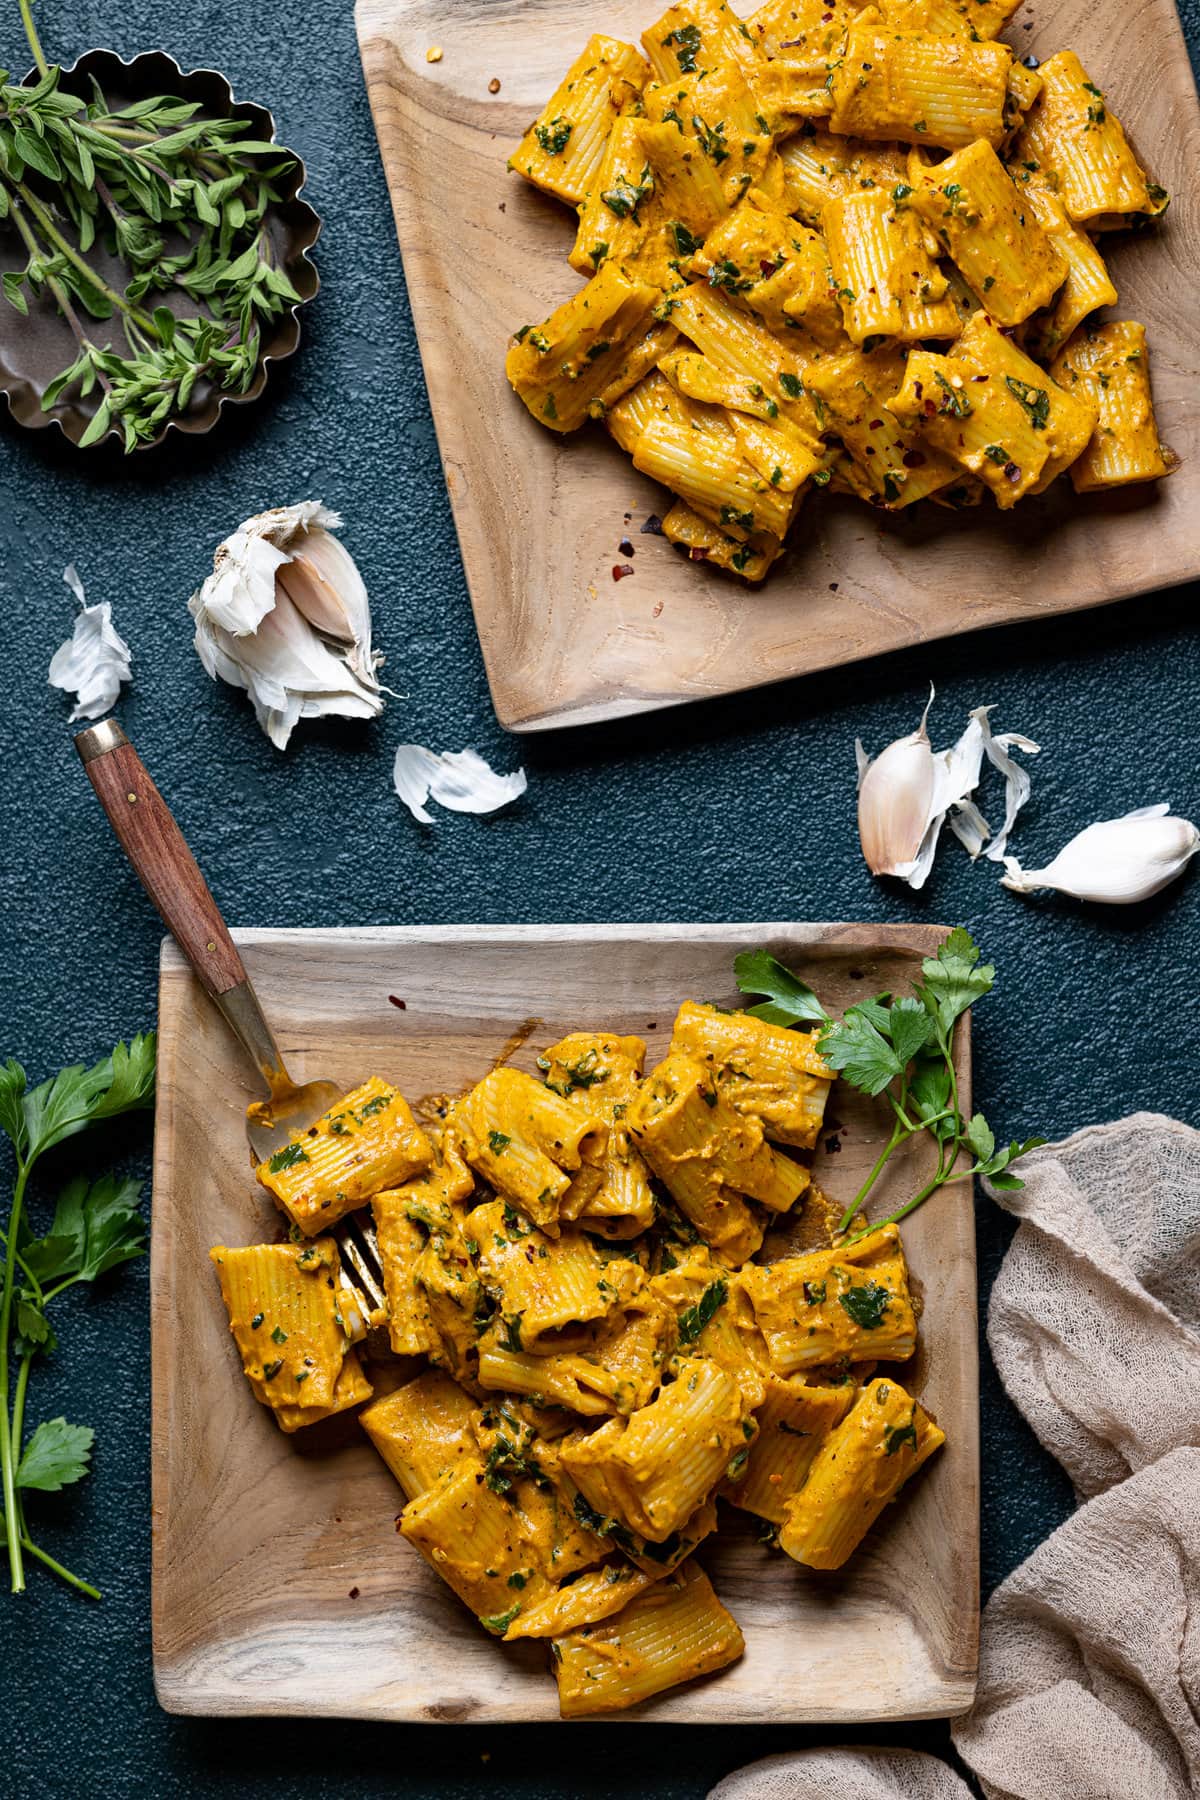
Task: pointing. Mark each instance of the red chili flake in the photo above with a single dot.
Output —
(396, 1001)
(914, 459)
(766, 266)
(870, 449)
(695, 554)
(354, 1593)
(979, 378)
(627, 517)
(1012, 471)
(504, 206)
(832, 1146)
(625, 547)
(791, 43)
(918, 388)
(620, 570)
(930, 408)
(653, 1025)
(833, 587)
(652, 526)
(875, 425)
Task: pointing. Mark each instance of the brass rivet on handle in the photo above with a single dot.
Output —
(210, 946)
(132, 799)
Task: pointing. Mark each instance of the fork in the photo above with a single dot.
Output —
(171, 877)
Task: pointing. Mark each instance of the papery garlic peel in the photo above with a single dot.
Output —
(1116, 862)
(459, 780)
(906, 792)
(95, 659)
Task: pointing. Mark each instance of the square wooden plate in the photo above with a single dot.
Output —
(540, 516)
(280, 1585)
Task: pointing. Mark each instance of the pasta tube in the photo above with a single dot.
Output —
(595, 1595)
(600, 1072)
(421, 1430)
(835, 1305)
(672, 1632)
(547, 1286)
(535, 1149)
(561, 369)
(889, 460)
(285, 1314)
(1073, 138)
(366, 1143)
(887, 283)
(705, 542)
(652, 1470)
(766, 1072)
(1088, 285)
(562, 150)
(793, 1423)
(862, 1464)
(1110, 365)
(991, 229)
(919, 89)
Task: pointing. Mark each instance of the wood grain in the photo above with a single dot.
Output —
(540, 517)
(165, 866)
(260, 1539)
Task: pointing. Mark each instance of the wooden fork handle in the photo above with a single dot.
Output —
(161, 859)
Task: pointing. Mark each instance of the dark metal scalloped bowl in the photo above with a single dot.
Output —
(34, 349)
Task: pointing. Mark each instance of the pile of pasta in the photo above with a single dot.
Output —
(839, 246)
(574, 1260)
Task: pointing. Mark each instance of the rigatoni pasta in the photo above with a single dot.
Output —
(583, 1356)
(782, 219)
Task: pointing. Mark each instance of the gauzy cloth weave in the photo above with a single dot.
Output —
(1089, 1679)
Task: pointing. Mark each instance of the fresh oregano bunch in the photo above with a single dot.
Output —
(182, 201)
(901, 1046)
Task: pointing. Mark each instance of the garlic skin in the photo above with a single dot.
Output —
(285, 616)
(459, 780)
(95, 659)
(1115, 862)
(906, 792)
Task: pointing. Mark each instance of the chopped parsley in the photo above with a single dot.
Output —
(287, 1158)
(279, 1336)
(1035, 400)
(498, 1143)
(866, 1304)
(555, 136)
(511, 1337)
(695, 1318)
(955, 402)
(685, 41)
(895, 1435)
(498, 1623)
(792, 385)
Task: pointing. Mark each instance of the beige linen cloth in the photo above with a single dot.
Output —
(1089, 1679)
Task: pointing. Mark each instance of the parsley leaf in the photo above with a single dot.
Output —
(39, 1119)
(955, 978)
(866, 1304)
(95, 1228)
(858, 1049)
(56, 1456)
(789, 999)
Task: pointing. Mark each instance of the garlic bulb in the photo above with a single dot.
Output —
(95, 659)
(1117, 861)
(285, 616)
(906, 792)
(457, 779)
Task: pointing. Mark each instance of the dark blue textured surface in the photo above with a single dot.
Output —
(740, 809)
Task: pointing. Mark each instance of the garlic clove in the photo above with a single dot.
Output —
(895, 805)
(285, 616)
(95, 659)
(459, 780)
(1116, 862)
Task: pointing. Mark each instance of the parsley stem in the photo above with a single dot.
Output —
(84, 1587)
(39, 55)
(897, 1138)
(8, 1469)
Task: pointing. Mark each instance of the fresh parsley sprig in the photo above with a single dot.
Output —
(182, 201)
(96, 1227)
(901, 1046)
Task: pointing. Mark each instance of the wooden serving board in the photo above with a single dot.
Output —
(280, 1585)
(540, 517)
